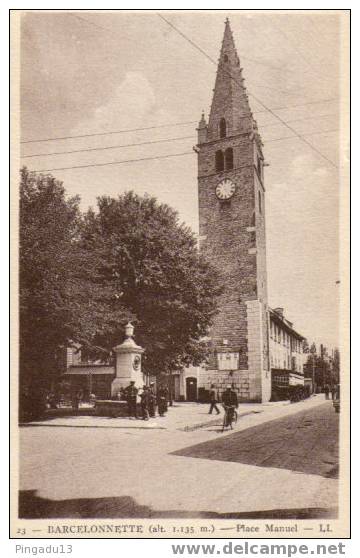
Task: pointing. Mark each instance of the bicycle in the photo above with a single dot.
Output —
(230, 417)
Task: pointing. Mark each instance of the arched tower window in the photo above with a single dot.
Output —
(226, 58)
(219, 161)
(222, 128)
(229, 158)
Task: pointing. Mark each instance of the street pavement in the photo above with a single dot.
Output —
(306, 442)
(174, 467)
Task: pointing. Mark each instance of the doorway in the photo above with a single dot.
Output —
(191, 389)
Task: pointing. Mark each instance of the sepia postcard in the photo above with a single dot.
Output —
(180, 274)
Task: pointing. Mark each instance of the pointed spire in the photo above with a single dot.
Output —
(228, 40)
(230, 100)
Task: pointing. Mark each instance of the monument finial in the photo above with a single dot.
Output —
(129, 330)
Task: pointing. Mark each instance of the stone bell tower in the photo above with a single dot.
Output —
(232, 231)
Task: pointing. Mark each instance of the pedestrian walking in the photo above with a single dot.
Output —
(76, 398)
(131, 396)
(326, 391)
(333, 391)
(52, 400)
(213, 400)
(162, 396)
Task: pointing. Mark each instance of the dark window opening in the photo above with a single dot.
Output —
(223, 128)
(229, 158)
(259, 167)
(260, 209)
(253, 239)
(252, 220)
(226, 58)
(219, 161)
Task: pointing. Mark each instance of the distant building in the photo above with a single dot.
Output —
(286, 352)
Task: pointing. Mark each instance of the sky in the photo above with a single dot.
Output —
(94, 72)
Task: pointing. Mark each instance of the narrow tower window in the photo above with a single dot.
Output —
(226, 58)
(223, 128)
(229, 158)
(260, 209)
(219, 161)
(252, 220)
(259, 167)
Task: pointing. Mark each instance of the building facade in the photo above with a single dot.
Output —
(286, 353)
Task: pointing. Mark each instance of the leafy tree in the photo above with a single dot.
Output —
(150, 262)
(48, 225)
(61, 298)
(320, 367)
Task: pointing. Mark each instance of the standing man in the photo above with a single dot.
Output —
(145, 402)
(152, 400)
(131, 397)
(213, 400)
(333, 391)
(326, 391)
(75, 400)
(162, 395)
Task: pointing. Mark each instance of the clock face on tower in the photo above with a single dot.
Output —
(225, 189)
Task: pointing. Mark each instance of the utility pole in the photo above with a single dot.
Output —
(313, 373)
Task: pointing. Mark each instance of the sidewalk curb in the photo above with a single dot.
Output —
(29, 425)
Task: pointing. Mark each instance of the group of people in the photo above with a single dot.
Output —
(150, 400)
(330, 389)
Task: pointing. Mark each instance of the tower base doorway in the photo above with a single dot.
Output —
(191, 389)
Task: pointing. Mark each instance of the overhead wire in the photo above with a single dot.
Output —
(126, 130)
(169, 125)
(303, 135)
(116, 162)
(150, 142)
(159, 156)
(266, 109)
(168, 140)
(252, 95)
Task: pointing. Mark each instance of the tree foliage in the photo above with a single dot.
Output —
(151, 263)
(48, 226)
(62, 301)
(322, 367)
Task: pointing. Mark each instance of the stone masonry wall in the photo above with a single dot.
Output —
(220, 378)
(226, 239)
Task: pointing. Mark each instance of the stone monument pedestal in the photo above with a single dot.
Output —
(128, 363)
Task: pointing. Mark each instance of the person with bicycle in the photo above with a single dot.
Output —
(230, 403)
